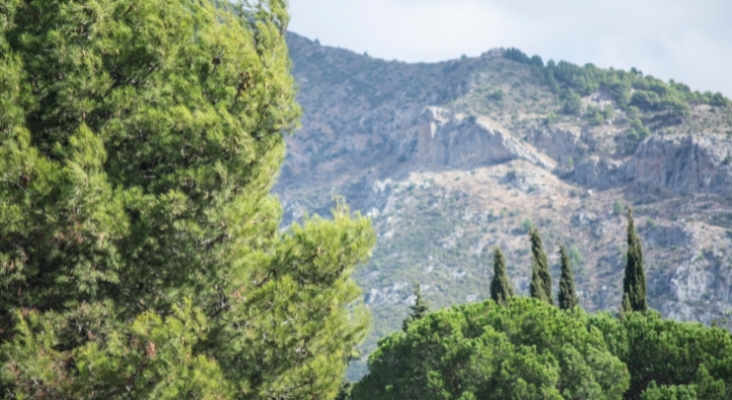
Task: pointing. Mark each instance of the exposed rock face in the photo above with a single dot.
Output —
(387, 295)
(558, 143)
(684, 164)
(598, 172)
(458, 142)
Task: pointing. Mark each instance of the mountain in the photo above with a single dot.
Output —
(451, 159)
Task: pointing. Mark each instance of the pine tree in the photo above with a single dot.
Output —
(419, 309)
(634, 281)
(568, 299)
(501, 289)
(140, 250)
(541, 281)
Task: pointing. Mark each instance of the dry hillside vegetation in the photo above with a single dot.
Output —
(452, 159)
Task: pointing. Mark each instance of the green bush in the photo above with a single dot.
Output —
(572, 103)
(636, 134)
(618, 207)
(526, 225)
(595, 115)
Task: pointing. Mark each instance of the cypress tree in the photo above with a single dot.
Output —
(634, 281)
(568, 299)
(541, 281)
(501, 289)
(140, 249)
(419, 309)
(625, 307)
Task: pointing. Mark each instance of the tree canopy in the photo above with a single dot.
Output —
(532, 350)
(140, 250)
(527, 349)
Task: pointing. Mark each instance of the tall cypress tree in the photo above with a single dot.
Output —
(625, 307)
(568, 299)
(140, 249)
(541, 280)
(501, 289)
(419, 309)
(634, 281)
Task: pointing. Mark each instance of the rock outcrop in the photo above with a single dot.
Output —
(463, 142)
(598, 172)
(560, 144)
(684, 164)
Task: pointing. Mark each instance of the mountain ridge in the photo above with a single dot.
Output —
(451, 159)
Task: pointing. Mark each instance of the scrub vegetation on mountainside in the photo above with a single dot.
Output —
(583, 142)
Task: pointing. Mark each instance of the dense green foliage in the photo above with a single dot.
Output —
(634, 281)
(627, 88)
(525, 350)
(568, 299)
(541, 280)
(675, 356)
(531, 350)
(501, 289)
(636, 134)
(140, 250)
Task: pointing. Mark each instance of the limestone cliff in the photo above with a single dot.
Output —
(689, 164)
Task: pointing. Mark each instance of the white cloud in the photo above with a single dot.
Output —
(683, 40)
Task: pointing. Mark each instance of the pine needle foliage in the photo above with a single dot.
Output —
(419, 309)
(568, 299)
(541, 281)
(634, 281)
(140, 250)
(501, 289)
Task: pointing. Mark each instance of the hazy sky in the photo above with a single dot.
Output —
(686, 40)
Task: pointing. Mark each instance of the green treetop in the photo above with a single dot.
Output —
(526, 349)
(419, 309)
(140, 250)
(634, 281)
(501, 289)
(568, 299)
(541, 281)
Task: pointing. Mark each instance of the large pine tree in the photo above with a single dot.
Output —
(541, 281)
(634, 281)
(501, 289)
(140, 250)
(568, 299)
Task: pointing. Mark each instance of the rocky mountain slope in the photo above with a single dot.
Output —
(451, 159)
